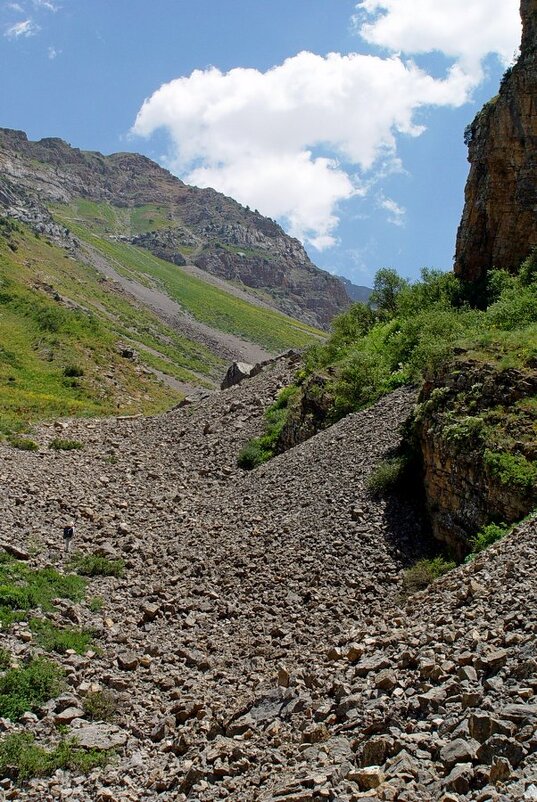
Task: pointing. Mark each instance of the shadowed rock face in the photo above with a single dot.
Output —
(499, 223)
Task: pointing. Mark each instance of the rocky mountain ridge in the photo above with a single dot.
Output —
(206, 228)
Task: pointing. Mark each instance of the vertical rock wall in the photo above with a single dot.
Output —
(499, 223)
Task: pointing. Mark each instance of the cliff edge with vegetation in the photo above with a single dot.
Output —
(499, 223)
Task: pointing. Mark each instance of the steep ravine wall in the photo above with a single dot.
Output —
(499, 223)
(475, 427)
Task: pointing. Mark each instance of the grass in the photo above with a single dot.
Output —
(60, 444)
(261, 449)
(5, 659)
(424, 572)
(100, 705)
(23, 588)
(29, 687)
(23, 443)
(60, 640)
(388, 476)
(94, 565)
(22, 759)
(59, 359)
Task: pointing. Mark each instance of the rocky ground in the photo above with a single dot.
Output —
(258, 643)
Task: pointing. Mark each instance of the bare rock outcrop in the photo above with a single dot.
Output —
(499, 223)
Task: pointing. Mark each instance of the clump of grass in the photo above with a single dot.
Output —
(5, 659)
(23, 588)
(96, 604)
(94, 565)
(388, 476)
(252, 455)
(100, 705)
(486, 537)
(21, 758)
(24, 443)
(60, 444)
(73, 371)
(29, 687)
(424, 572)
(261, 449)
(54, 639)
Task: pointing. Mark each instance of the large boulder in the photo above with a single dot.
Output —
(236, 373)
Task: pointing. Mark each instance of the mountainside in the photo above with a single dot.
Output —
(499, 223)
(93, 324)
(143, 203)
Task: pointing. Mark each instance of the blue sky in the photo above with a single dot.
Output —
(342, 119)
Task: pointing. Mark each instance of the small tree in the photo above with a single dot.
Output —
(386, 289)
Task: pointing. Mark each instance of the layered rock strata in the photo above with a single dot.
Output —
(499, 223)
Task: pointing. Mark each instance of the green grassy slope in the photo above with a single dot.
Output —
(93, 223)
(60, 318)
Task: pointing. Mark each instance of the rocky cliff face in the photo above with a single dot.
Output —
(203, 227)
(476, 433)
(499, 223)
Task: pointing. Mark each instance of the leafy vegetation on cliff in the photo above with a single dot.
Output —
(409, 330)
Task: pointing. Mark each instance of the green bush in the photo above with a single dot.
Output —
(486, 537)
(388, 476)
(24, 443)
(424, 572)
(513, 470)
(28, 687)
(21, 758)
(94, 565)
(100, 705)
(54, 639)
(59, 444)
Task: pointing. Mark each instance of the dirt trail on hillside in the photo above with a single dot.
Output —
(256, 643)
(224, 345)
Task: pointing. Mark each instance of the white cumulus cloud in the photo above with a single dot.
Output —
(466, 30)
(301, 138)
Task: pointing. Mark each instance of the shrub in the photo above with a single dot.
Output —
(73, 371)
(24, 443)
(100, 705)
(94, 565)
(513, 470)
(53, 639)
(420, 575)
(388, 476)
(59, 444)
(29, 687)
(486, 537)
(21, 758)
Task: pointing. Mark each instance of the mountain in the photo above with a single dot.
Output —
(499, 225)
(101, 312)
(356, 292)
(137, 200)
